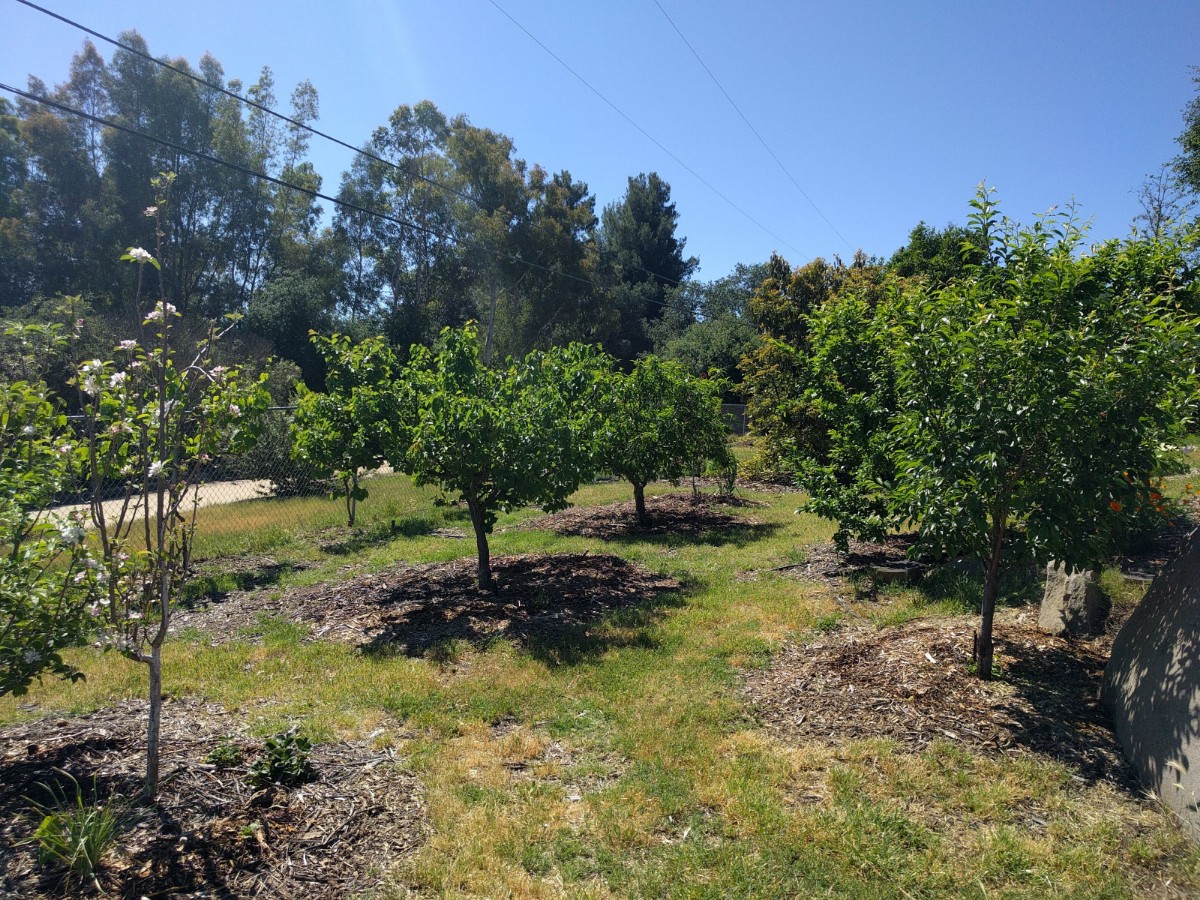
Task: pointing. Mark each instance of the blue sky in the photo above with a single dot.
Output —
(885, 113)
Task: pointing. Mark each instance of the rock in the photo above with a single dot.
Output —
(1073, 605)
(1152, 686)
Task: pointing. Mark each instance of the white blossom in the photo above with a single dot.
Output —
(72, 533)
(150, 211)
(127, 344)
(161, 310)
(156, 468)
(235, 410)
(117, 379)
(32, 656)
(28, 431)
(138, 255)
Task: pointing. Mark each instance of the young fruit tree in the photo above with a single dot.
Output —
(661, 422)
(346, 431)
(1030, 401)
(153, 419)
(48, 576)
(498, 438)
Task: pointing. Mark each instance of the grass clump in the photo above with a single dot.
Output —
(74, 833)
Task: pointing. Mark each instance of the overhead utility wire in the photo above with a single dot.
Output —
(395, 220)
(753, 130)
(295, 122)
(644, 132)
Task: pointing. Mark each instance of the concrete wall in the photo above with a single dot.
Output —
(1152, 686)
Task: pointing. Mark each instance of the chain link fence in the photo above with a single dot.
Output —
(269, 470)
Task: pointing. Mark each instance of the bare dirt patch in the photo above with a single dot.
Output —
(671, 514)
(911, 684)
(547, 603)
(210, 834)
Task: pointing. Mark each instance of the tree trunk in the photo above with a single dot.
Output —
(150, 790)
(351, 498)
(991, 590)
(481, 544)
(639, 503)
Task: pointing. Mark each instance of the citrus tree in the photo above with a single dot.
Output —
(1031, 397)
(499, 438)
(661, 422)
(347, 430)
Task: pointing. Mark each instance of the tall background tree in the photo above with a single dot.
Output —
(644, 257)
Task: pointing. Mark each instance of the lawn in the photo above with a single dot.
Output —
(624, 755)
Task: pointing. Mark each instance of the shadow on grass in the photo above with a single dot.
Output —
(562, 609)
(671, 520)
(205, 587)
(738, 535)
(356, 540)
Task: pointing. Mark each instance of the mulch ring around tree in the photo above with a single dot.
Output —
(540, 601)
(210, 834)
(826, 563)
(670, 514)
(911, 684)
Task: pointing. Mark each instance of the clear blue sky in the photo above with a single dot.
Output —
(885, 113)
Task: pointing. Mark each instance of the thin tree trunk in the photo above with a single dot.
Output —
(481, 544)
(991, 590)
(639, 503)
(152, 730)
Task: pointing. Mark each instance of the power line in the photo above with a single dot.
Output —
(311, 192)
(289, 120)
(644, 132)
(753, 130)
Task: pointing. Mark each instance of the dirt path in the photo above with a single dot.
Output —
(217, 493)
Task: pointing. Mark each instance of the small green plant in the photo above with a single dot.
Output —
(74, 833)
(226, 755)
(284, 761)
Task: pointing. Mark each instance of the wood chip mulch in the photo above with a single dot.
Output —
(911, 684)
(544, 602)
(824, 562)
(210, 834)
(670, 514)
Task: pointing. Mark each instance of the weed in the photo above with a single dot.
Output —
(74, 833)
(226, 755)
(284, 761)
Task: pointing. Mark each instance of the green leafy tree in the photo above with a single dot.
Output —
(498, 438)
(939, 256)
(1031, 398)
(661, 423)
(707, 325)
(47, 574)
(347, 430)
(1187, 163)
(153, 420)
(645, 257)
(776, 382)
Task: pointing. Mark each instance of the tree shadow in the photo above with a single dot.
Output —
(671, 519)
(205, 587)
(562, 609)
(351, 541)
(1057, 712)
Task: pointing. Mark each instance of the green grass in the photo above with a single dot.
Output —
(667, 787)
